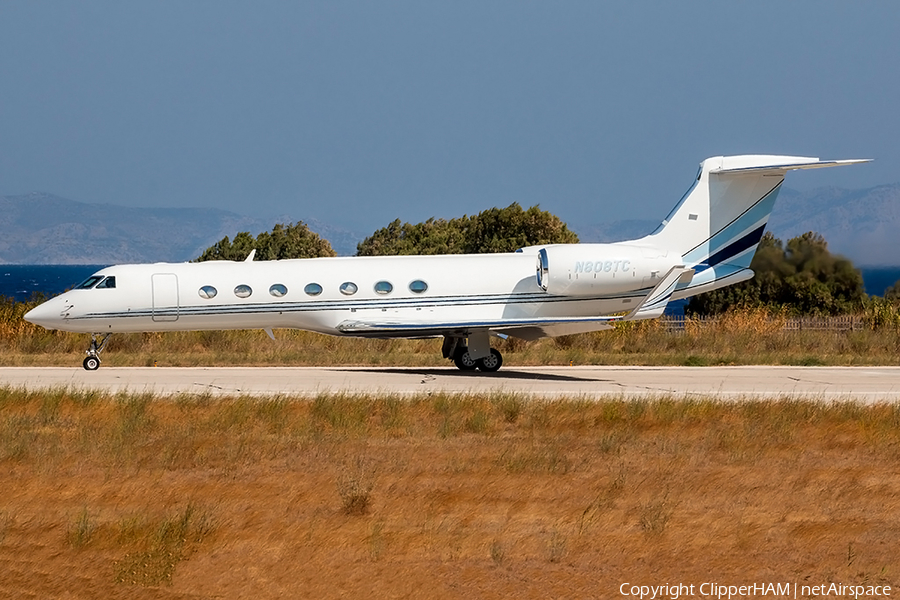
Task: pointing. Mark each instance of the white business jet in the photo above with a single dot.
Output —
(706, 242)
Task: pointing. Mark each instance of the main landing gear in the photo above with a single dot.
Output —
(92, 361)
(456, 349)
(490, 363)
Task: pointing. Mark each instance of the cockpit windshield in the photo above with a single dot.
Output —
(89, 282)
(108, 283)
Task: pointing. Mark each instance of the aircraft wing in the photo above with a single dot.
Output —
(654, 304)
(651, 306)
(463, 327)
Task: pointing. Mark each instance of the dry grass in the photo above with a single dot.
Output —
(464, 496)
(739, 338)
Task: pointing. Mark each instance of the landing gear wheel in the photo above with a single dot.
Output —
(491, 363)
(463, 360)
(92, 362)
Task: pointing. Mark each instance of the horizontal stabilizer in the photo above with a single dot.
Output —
(810, 163)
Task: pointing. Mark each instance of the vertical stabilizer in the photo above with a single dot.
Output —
(719, 222)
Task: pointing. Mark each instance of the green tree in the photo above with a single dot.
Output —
(801, 276)
(434, 236)
(893, 292)
(493, 230)
(284, 241)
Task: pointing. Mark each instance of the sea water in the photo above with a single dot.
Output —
(23, 281)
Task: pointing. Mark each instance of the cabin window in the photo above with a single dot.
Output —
(418, 286)
(107, 284)
(208, 292)
(89, 282)
(243, 291)
(348, 288)
(278, 290)
(383, 287)
(313, 289)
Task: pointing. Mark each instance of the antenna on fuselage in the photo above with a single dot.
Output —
(250, 256)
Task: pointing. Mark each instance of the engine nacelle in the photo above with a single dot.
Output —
(600, 269)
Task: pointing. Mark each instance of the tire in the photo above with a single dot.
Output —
(491, 363)
(91, 363)
(463, 361)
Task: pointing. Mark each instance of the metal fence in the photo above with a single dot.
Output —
(676, 323)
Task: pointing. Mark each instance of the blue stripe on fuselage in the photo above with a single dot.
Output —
(728, 235)
(733, 249)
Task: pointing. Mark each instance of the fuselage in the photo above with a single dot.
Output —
(321, 293)
(706, 242)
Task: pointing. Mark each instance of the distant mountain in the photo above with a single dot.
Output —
(343, 241)
(615, 231)
(859, 224)
(40, 228)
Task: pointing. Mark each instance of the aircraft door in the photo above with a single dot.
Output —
(165, 297)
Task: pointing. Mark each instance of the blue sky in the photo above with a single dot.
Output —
(356, 113)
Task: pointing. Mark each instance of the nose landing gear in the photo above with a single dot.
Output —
(92, 361)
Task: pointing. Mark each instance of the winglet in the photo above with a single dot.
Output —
(654, 304)
(250, 256)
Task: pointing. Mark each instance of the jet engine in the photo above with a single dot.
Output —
(600, 269)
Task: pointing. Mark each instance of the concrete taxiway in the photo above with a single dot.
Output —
(863, 384)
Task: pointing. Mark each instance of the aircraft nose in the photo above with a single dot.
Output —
(46, 315)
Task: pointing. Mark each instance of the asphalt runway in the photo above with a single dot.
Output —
(862, 384)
